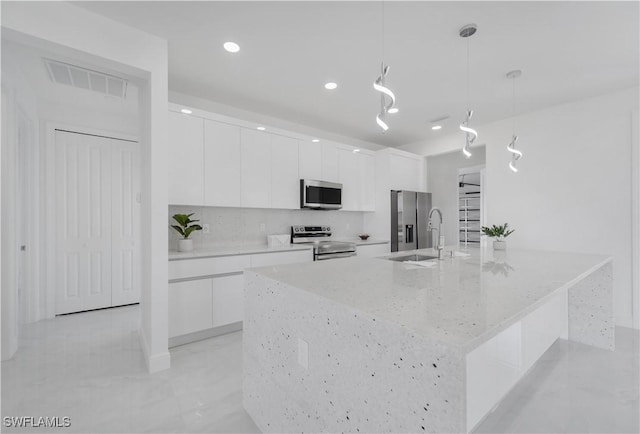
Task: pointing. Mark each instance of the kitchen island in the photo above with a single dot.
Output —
(373, 345)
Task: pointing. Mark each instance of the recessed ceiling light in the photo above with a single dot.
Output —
(315, 140)
(330, 86)
(355, 151)
(261, 128)
(186, 111)
(231, 47)
(393, 110)
(436, 127)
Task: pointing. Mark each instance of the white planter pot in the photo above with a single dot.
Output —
(185, 245)
(499, 245)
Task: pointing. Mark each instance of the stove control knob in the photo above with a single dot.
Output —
(295, 229)
(328, 229)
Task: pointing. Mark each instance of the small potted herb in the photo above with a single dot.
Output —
(499, 233)
(185, 227)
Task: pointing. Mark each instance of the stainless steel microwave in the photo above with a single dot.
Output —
(320, 194)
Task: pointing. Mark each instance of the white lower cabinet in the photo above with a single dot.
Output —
(206, 295)
(189, 306)
(227, 300)
(495, 366)
(373, 250)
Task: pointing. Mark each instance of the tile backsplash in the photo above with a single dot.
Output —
(249, 226)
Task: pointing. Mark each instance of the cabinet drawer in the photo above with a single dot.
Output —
(190, 307)
(373, 250)
(266, 259)
(187, 268)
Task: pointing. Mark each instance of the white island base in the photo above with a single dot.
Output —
(369, 345)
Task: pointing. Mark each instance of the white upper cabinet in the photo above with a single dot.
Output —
(213, 162)
(367, 164)
(186, 171)
(349, 177)
(407, 172)
(330, 162)
(256, 169)
(285, 182)
(356, 174)
(310, 160)
(222, 164)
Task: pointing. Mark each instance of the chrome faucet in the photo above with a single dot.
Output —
(440, 246)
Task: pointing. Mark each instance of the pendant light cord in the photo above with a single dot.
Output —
(467, 74)
(513, 107)
(382, 25)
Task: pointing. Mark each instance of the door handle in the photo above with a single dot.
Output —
(408, 233)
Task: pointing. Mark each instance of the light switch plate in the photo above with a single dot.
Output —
(205, 228)
(303, 353)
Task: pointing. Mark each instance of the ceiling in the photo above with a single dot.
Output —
(566, 50)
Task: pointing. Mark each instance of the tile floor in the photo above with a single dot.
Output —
(89, 367)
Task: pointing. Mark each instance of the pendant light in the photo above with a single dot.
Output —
(511, 147)
(387, 97)
(470, 134)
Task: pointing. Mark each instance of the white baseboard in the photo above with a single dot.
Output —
(155, 362)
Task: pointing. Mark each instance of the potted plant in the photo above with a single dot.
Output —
(185, 227)
(499, 233)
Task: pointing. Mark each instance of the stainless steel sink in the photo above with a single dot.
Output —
(412, 258)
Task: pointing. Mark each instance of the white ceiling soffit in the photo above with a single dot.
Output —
(76, 76)
(567, 50)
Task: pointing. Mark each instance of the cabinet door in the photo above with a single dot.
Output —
(310, 160)
(227, 302)
(330, 162)
(367, 178)
(349, 176)
(190, 308)
(285, 183)
(256, 169)
(373, 250)
(185, 167)
(222, 164)
(406, 173)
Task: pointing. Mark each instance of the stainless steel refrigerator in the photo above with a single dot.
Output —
(409, 220)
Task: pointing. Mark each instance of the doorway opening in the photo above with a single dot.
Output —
(77, 172)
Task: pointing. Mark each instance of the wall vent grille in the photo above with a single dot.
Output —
(83, 78)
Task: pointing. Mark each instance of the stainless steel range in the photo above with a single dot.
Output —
(323, 246)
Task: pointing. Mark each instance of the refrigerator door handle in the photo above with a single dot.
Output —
(409, 233)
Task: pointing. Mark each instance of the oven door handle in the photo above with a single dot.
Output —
(334, 256)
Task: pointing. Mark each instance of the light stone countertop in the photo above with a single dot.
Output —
(462, 301)
(212, 251)
(215, 251)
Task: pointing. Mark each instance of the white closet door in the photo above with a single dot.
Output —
(83, 222)
(125, 226)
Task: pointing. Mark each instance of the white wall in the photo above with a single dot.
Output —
(19, 104)
(573, 190)
(442, 183)
(135, 53)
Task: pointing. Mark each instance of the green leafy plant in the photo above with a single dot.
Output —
(498, 232)
(185, 225)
